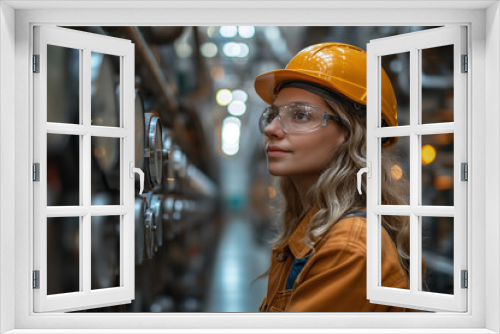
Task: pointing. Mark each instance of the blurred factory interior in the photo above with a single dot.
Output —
(205, 221)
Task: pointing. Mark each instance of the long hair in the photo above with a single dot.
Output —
(335, 194)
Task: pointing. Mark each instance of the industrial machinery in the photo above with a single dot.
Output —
(176, 217)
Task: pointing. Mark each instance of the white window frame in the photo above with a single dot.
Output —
(16, 125)
(413, 44)
(85, 43)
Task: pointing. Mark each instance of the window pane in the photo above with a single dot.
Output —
(63, 255)
(63, 85)
(105, 233)
(63, 170)
(437, 254)
(395, 171)
(397, 68)
(395, 228)
(437, 169)
(105, 176)
(437, 84)
(105, 76)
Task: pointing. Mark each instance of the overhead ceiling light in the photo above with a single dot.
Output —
(183, 50)
(230, 135)
(228, 31)
(237, 108)
(209, 50)
(240, 95)
(211, 31)
(246, 31)
(232, 49)
(224, 97)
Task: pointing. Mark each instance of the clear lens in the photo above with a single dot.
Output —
(266, 118)
(294, 118)
(302, 118)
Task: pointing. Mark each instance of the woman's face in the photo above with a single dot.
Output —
(301, 155)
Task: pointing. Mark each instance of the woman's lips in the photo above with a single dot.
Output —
(276, 153)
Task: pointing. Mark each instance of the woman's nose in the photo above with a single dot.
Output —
(274, 129)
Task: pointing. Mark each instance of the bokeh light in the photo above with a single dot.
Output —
(246, 31)
(183, 50)
(228, 31)
(396, 172)
(224, 97)
(428, 154)
(240, 95)
(230, 135)
(443, 182)
(209, 50)
(271, 191)
(211, 31)
(232, 49)
(237, 108)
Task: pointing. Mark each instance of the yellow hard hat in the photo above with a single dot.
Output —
(336, 66)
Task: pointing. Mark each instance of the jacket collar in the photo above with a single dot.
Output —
(296, 241)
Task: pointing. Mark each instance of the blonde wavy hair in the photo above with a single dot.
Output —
(334, 193)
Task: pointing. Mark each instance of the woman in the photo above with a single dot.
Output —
(315, 140)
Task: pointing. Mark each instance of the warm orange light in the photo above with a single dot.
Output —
(444, 138)
(217, 73)
(428, 154)
(272, 192)
(99, 152)
(396, 172)
(443, 182)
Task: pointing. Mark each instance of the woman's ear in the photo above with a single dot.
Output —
(344, 135)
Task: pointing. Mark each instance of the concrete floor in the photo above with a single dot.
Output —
(239, 260)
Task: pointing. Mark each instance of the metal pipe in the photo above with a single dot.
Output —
(143, 52)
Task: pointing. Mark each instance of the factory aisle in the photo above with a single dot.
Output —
(239, 260)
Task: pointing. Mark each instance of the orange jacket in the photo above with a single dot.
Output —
(334, 278)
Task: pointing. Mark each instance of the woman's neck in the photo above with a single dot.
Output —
(303, 184)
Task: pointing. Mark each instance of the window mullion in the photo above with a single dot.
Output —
(127, 222)
(85, 158)
(415, 64)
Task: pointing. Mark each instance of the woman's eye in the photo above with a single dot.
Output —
(302, 116)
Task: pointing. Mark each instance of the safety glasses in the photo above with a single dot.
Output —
(296, 117)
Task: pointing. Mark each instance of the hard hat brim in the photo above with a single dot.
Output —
(266, 83)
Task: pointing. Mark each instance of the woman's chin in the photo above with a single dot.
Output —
(277, 171)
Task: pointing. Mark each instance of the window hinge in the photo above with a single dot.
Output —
(36, 172)
(465, 279)
(465, 171)
(36, 279)
(465, 64)
(36, 63)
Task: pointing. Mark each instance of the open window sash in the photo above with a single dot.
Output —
(83, 44)
(415, 297)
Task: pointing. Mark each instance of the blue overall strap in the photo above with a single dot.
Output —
(298, 264)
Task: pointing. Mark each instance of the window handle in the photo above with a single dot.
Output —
(138, 171)
(366, 170)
